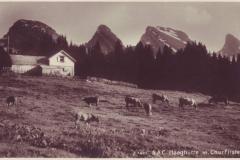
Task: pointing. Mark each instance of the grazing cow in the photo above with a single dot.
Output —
(148, 108)
(85, 117)
(187, 101)
(11, 100)
(218, 99)
(132, 100)
(162, 98)
(91, 100)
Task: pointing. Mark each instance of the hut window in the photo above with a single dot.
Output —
(61, 58)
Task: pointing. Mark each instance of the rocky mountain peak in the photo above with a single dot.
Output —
(106, 39)
(159, 36)
(30, 37)
(231, 46)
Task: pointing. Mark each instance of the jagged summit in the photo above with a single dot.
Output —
(106, 39)
(159, 36)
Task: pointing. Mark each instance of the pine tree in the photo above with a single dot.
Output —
(62, 43)
(97, 61)
(5, 60)
(117, 62)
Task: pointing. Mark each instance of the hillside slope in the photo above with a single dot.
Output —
(45, 114)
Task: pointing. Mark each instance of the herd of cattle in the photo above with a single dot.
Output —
(136, 102)
(132, 101)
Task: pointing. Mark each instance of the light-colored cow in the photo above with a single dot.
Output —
(148, 108)
(85, 117)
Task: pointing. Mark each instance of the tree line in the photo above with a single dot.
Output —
(192, 68)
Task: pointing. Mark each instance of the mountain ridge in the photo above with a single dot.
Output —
(28, 36)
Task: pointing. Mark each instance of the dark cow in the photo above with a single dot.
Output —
(218, 99)
(85, 117)
(91, 100)
(148, 108)
(133, 101)
(187, 101)
(11, 100)
(162, 98)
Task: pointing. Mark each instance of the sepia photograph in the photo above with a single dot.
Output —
(119, 79)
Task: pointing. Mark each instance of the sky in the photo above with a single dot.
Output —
(206, 22)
